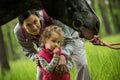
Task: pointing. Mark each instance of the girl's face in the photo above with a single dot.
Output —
(53, 42)
(32, 24)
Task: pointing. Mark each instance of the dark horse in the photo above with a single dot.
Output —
(76, 13)
(79, 15)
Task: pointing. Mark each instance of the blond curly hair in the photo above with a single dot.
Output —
(49, 29)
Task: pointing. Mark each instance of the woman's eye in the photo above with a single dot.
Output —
(29, 25)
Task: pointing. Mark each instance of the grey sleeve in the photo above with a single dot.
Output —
(27, 46)
(49, 67)
(68, 42)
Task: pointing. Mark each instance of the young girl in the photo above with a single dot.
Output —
(52, 38)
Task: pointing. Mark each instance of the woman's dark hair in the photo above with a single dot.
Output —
(26, 14)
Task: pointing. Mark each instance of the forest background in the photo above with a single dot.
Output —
(103, 62)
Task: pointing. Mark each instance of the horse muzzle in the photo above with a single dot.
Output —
(86, 30)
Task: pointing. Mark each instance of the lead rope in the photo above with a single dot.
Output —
(95, 39)
(101, 43)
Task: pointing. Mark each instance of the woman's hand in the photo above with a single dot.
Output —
(37, 61)
(62, 60)
(62, 57)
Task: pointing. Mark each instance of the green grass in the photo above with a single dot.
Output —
(104, 64)
(23, 69)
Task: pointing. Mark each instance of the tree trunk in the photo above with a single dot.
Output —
(112, 14)
(3, 57)
(105, 18)
(114, 6)
(14, 55)
(117, 15)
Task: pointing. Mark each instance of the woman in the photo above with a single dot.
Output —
(29, 29)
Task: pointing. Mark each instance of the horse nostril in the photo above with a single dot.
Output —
(97, 27)
(97, 24)
(76, 24)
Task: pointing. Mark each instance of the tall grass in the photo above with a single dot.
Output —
(104, 64)
(22, 69)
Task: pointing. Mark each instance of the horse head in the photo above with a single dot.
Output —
(75, 13)
(83, 16)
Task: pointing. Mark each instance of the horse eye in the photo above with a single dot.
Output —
(69, 8)
(77, 24)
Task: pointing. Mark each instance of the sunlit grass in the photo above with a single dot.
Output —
(104, 63)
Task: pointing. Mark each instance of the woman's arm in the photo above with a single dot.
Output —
(68, 42)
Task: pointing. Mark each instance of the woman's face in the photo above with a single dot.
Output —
(32, 24)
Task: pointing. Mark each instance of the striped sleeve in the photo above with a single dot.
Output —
(49, 67)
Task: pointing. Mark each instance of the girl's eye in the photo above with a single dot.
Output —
(58, 41)
(53, 41)
(35, 21)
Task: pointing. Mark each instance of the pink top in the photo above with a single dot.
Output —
(48, 56)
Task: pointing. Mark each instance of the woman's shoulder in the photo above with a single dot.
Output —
(17, 29)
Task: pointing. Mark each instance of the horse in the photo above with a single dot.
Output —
(74, 13)
(77, 14)
(80, 16)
